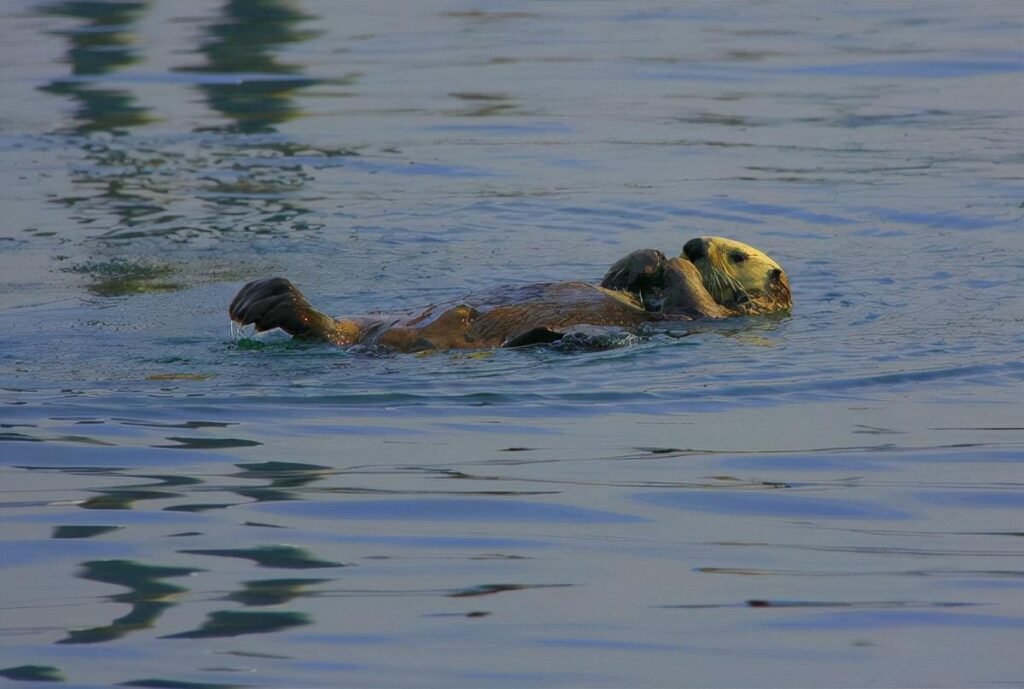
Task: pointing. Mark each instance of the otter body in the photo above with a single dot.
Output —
(642, 287)
(516, 316)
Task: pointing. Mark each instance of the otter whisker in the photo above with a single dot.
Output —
(719, 283)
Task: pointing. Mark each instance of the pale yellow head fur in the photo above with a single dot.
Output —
(738, 276)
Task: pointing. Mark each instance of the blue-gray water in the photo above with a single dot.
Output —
(833, 498)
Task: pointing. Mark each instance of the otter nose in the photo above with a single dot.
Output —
(695, 248)
(774, 274)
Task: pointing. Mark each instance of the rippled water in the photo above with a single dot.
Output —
(833, 498)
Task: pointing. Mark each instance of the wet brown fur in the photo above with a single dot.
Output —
(706, 288)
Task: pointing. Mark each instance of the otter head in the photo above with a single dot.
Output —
(738, 276)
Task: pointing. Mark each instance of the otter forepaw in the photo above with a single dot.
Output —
(640, 270)
(685, 296)
(271, 303)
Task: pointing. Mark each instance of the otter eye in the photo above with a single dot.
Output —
(737, 257)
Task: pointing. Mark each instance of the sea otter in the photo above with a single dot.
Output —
(714, 278)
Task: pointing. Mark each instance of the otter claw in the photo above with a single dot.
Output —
(271, 303)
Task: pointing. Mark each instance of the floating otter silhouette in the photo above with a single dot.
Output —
(714, 278)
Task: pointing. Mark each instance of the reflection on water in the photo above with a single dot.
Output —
(149, 596)
(125, 497)
(272, 591)
(103, 44)
(119, 277)
(81, 531)
(485, 104)
(117, 181)
(228, 623)
(33, 673)
(281, 557)
(246, 81)
(281, 477)
(132, 187)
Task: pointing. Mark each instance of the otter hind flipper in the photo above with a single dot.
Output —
(534, 336)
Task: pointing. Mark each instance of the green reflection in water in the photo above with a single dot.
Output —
(485, 104)
(82, 531)
(272, 591)
(120, 277)
(129, 188)
(147, 595)
(280, 556)
(187, 443)
(122, 186)
(226, 623)
(256, 89)
(156, 683)
(491, 589)
(33, 673)
(281, 477)
(104, 44)
(124, 497)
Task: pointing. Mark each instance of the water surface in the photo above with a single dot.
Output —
(829, 498)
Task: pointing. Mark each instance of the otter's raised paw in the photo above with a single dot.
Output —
(640, 270)
(271, 303)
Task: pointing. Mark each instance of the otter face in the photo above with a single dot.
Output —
(738, 276)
